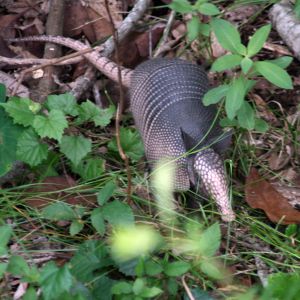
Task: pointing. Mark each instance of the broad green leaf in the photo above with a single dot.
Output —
(121, 287)
(2, 93)
(226, 62)
(246, 116)
(274, 74)
(76, 227)
(210, 268)
(21, 110)
(208, 9)
(181, 6)
(55, 280)
(215, 95)
(75, 148)
(246, 65)
(258, 39)
(282, 62)
(138, 286)
(51, 126)
(153, 268)
(104, 117)
(9, 135)
(118, 213)
(59, 211)
(5, 234)
(261, 125)
(98, 221)
(131, 143)
(193, 28)
(90, 168)
(64, 102)
(209, 240)
(227, 35)
(106, 192)
(30, 149)
(235, 97)
(150, 292)
(176, 268)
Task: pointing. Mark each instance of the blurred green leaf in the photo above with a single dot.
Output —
(210, 268)
(59, 211)
(193, 28)
(98, 221)
(2, 93)
(246, 64)
(76, 227)
(261, 125)
(89, 168)
(246, 116)
(121, 287)
(153, 268)
(106, 192)
(177, 268)
(208, 9)
(258, 39)
(282, 62)
(181, 6)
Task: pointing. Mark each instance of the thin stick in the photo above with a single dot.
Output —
(120, 104)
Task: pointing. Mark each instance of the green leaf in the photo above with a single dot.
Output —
(58, 211)
(18, 266)
(5, 234)
(215, 95)
(98, 221)
(138, 286)
(54, 281)
(76, 227)
(64, 102)
(30, 294)
(172, 286)
(209, 267)
(51, 126)
(22, 110)
(209, 241)
(150, 292)
(193, 28)
(274, 74)
(106, 192)
(246, 64)
(226, 62)
(282, 62)
(208, 9)
(227, 35)
(246, 116)
(88, 111)
(226, 122)
(204, 29)
(3, 267)
(90, 168)
(181, 6)
(2, 93)
(235, 97)
(30, 149)
(258, 39)
(118, 213)
(9, 135)
(261, 125)
(152, 268)
(176, 268)
(75, 148)
(121, 287)
(131, 143)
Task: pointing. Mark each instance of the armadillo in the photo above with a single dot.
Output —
(166, 102)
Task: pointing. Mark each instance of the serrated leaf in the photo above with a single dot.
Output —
(246, 64)
(51, 126)
(227, 35)
(64, 102)
(2, 93)
(274, 74)
(131, 143)
(261, 125)
(20, 110)
(9, 135)
(76, 227)
(121, 287)
(58, 211)
(90, 168)
(235, 97)
(282, 62)
(193, 28)
(226, 62)
(215, 95)
(98, 221)
(106, 192)
(210, 268)
(181, 6)
(75, 148)
(258, 39)
(118, 213)
(208, 9)
(30, 149)
(54, 281)
(103, 118)
(152, 268)
(209, 240)
(246, 116)
(176, 268)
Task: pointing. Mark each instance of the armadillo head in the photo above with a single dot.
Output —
(209, 167)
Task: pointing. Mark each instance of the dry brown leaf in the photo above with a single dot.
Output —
(261, 194)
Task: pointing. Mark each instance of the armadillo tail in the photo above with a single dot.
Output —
(209, 167)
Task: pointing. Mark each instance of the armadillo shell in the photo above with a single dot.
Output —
(166, 101)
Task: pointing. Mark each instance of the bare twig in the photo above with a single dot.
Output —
(187, 289)
(121, 102)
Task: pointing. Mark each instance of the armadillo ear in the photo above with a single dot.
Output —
(188, 141)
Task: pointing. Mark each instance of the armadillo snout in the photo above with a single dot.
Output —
(209, 167)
